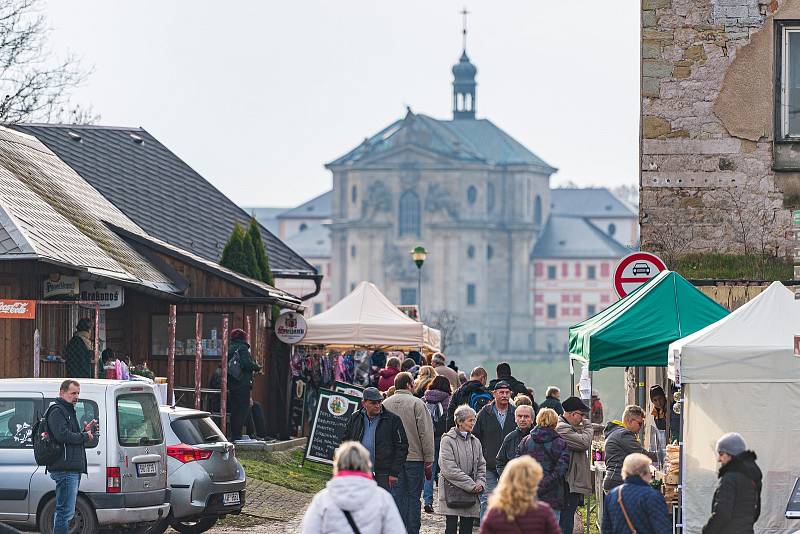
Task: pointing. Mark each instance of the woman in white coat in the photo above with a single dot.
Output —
(463, 468)
(351, 500)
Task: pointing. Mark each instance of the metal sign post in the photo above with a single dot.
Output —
(198, 358)
(223, 400)
(171, 354)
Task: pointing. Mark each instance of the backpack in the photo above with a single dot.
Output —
(45, 448)
(235, 367)
(478, 399)
(438, 416)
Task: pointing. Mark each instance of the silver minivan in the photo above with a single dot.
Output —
(126, 485)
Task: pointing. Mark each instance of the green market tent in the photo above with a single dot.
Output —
(637, 330)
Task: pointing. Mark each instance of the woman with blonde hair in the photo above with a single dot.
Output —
(340, 506)
(547, 447)
(424, 378)
(514, 506)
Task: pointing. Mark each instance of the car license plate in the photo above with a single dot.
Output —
(230, 498)
(146, 470)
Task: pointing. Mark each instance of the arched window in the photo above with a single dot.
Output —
(470, 252)
(612, 229)
(489, 252)
(303, 227)
(472, 194)
(354, 194)
(489, 197)
(409, 223)
(537, 210)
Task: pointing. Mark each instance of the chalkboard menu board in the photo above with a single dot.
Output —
(333, 411)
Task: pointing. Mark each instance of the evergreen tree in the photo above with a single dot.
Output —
(233, 255)
(251, 261)
(260, 250)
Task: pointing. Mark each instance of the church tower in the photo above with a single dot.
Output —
(464, 81)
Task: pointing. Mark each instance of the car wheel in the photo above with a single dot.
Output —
(194, 527)
(159, 527)
(84, 521)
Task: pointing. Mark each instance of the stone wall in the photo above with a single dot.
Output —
(707, 179)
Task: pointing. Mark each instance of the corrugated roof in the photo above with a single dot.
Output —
(156, 189)
(588, 202)
(575, 237)
(313, 242)
(317, 208)
(51, 213)
(477, 140)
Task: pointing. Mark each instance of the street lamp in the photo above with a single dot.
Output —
(419, 254)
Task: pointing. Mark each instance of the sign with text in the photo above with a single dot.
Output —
(333, 411)
(109, 296)
(349, 389)
(291, 327)
(17, 309)
(61, 286)
(634, 270)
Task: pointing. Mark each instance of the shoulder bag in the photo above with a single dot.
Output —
(624, 511)
(454, 496)
(352, 522)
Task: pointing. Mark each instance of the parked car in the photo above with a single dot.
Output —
(206, 479)
(126, 485)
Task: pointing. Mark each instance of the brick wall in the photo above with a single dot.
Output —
(707, 182)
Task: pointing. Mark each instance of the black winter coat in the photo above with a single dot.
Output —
(737, 501)
(247, 363)
(487, 429)
(461, 396)
(391, 445)
(553, 403)
(64, 428)
(508, 450)
(517, 387)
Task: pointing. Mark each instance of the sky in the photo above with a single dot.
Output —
(258, 96)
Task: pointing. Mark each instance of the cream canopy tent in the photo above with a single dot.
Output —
(366, 318)
(740, 374)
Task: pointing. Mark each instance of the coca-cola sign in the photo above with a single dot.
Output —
(17, 309)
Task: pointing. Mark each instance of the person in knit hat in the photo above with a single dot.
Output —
(736, 505)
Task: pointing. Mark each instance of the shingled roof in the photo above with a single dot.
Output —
(575, 237)
(157, 190)
(469, 140)
(592, 202)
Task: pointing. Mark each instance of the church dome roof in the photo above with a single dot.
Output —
(464, 70)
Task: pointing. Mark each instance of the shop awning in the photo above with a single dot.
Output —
(637, 330)
(366, 318)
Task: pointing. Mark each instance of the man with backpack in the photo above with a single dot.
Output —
(241, 367)
(473, 392)
(495, 421)
(67, 460)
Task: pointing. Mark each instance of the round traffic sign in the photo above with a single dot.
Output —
(634, 270)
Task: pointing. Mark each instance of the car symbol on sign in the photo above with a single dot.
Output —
(641, 268)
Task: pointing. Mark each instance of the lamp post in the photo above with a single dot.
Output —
(418, 255)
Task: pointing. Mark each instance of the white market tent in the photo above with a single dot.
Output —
(740, 374)
(366, 318)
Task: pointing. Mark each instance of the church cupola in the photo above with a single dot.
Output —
(464, 81)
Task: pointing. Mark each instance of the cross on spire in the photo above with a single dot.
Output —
(464, 13)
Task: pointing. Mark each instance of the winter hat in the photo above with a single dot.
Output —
(238, 334)
(731, 443)
(574, 404)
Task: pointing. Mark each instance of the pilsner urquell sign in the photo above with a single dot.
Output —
(17, 309)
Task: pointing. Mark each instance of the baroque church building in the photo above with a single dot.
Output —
(469, 193)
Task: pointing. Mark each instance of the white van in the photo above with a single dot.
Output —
(126, 485)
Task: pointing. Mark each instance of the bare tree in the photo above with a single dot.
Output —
(627, 192)
(667, 237)
(448, 325)
(34, 86)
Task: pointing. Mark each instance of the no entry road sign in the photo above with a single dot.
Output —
(634, 270)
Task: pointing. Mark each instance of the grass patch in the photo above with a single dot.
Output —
(733, 267)
(283, 469)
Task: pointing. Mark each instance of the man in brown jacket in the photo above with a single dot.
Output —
(418, 425)
(576, 429)
(439, 364)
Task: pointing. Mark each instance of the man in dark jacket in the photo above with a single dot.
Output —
(737, 501)
(622, 439)
(523, 416)
(504, 374)
(382, 434)
(239, 389)
(79, 352)
(495, 421)
(553, 400)
(62, 422)
(475, 384)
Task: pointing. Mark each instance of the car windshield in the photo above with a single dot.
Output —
(138, 422)
(197, 430)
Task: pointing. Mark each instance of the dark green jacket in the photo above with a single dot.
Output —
(78, 358)
(248, 364)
